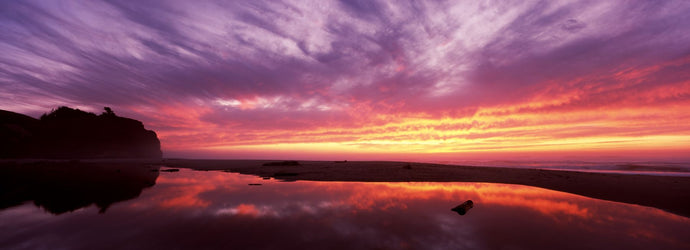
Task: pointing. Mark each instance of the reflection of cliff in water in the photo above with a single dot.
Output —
(61, 187)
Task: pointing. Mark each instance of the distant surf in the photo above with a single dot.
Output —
(641, 168)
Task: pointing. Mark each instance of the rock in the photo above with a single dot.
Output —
(282, 163)
(464, 207)
(285, 174)
(67, 133)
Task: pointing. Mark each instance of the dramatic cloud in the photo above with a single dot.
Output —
(379, 77)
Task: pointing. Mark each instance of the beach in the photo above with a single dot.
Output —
(669, 193)
(214, 204)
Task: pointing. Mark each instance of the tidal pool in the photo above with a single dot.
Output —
(218, 210)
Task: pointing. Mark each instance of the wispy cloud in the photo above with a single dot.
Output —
(210, 73)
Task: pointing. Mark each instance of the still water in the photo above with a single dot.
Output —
(218, 210)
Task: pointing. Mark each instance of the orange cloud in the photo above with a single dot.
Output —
(620, 113)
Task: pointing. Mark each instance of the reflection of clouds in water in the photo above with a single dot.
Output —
(25, 213)
(345, 200)
(200, 189)
(280, 210)
(325, 215)
(392, 195)
(245, 209)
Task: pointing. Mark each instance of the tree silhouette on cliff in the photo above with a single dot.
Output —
(72, 133)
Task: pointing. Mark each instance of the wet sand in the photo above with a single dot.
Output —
(669, 193)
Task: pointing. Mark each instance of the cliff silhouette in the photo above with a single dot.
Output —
(67, 133)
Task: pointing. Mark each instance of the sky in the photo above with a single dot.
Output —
(377, 80)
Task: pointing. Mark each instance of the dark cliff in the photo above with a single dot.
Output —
(71, 133)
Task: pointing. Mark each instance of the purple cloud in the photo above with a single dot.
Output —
(317, 63)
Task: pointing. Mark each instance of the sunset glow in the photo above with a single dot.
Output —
(365, 79)
(357, 197)
(216, 209)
